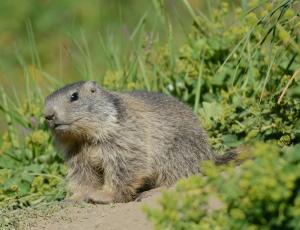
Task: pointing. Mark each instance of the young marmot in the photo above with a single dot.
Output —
(119, 144)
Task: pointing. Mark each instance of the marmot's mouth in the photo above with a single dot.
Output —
(60, 126)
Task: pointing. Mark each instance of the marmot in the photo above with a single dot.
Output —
(119, 144)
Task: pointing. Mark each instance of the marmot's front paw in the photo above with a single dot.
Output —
(76, 198)
(99, 197)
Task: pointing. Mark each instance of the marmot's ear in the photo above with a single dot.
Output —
(91, 86)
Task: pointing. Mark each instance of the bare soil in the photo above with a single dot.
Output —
(87, 216)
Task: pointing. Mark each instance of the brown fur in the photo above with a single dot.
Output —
(118, 144)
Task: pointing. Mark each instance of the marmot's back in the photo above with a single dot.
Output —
(172, 134)
(166, 107)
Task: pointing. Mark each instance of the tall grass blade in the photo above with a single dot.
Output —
(144, 74)
(198, 86)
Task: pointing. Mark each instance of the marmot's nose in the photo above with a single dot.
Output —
(50, 115)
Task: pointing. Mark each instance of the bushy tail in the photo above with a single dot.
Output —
(226, 158)
(234, 155)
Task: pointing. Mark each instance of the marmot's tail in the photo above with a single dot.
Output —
(226, 158)
(234, 155)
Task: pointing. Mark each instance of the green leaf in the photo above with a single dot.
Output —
(211, 110)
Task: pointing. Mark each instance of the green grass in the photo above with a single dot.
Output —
(236, 64)
(72, 40)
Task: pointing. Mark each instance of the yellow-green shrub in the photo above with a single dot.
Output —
(262, 193)
(31, 171)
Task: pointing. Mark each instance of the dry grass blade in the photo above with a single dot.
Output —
(287, 86)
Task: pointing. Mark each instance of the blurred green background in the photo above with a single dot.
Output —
(62, 33)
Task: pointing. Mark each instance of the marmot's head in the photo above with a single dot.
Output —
(81, 111)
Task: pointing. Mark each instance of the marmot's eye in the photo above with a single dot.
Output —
(74, 97)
